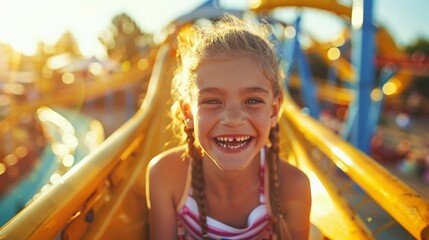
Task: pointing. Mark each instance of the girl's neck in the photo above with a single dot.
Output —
(224, 184)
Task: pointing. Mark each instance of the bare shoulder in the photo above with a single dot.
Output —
(295, 182)
(167, 172)
(296, 196)
(167, 160)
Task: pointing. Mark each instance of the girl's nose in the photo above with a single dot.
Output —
(233, 116)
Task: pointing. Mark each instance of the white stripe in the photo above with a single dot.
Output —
(255, 216)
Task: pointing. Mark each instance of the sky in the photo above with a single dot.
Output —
(25, 22)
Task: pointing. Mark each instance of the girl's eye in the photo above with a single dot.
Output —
(211, 101)
(254, 101)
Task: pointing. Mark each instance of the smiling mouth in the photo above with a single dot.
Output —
(233, 142)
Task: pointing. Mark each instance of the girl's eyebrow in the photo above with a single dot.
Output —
(257, 89)
(210, 90)
(246, 90)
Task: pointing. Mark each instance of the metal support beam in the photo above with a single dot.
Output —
(363, 46)
(308, 88)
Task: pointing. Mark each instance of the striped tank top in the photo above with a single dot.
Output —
(258, 222)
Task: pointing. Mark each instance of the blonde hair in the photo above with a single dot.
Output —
(227, 37)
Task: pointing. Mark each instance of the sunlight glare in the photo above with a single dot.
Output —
(26, 27)
(376, 95)
(357, 14)
(55, 178)
(390, 88)
(333, 53)
(2, 168)
(11, 159)
(143, 64)
(319, 195)
(290, 32)
(68, 78)
(60, 149)
(96, 68)
(68, 160)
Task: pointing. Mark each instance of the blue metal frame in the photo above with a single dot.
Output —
(363, 113)
(297, 56)
(363, 46)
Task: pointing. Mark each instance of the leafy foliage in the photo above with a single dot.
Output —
(123, 39)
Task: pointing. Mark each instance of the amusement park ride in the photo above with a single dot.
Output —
(103, 196)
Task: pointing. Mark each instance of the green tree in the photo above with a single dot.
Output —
(420, 49)
(420, 46)
(123, 39)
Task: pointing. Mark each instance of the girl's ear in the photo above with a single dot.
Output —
(187, 114)
(276, 109)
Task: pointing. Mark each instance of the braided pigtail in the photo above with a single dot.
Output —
(280, 226)
(197, 180)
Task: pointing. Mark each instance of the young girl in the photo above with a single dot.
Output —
(227, 181)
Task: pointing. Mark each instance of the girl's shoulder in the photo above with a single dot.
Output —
(296, 198)
(168, 171)
(296, 183)
(291, 171)
(168, 159)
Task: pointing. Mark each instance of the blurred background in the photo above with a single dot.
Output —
(73, 72)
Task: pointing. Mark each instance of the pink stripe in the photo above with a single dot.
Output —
(193, 215)
(195, 232)
(261, 177)
(190, 216)
(190, 220)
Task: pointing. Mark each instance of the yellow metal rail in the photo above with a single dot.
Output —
(327, 5)
(403, 203)
(330, 212)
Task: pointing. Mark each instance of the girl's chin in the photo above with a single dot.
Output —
(230, 166)
(232, 159)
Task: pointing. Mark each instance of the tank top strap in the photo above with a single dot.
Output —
(262, 176)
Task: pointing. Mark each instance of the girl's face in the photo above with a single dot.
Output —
(233, 111)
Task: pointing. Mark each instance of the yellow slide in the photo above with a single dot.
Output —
(103, 197)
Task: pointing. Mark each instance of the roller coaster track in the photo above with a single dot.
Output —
(103, 197)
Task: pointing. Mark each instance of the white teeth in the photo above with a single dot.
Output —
(231, 139)
(223, 142)
(232, 147)
(242, 138)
